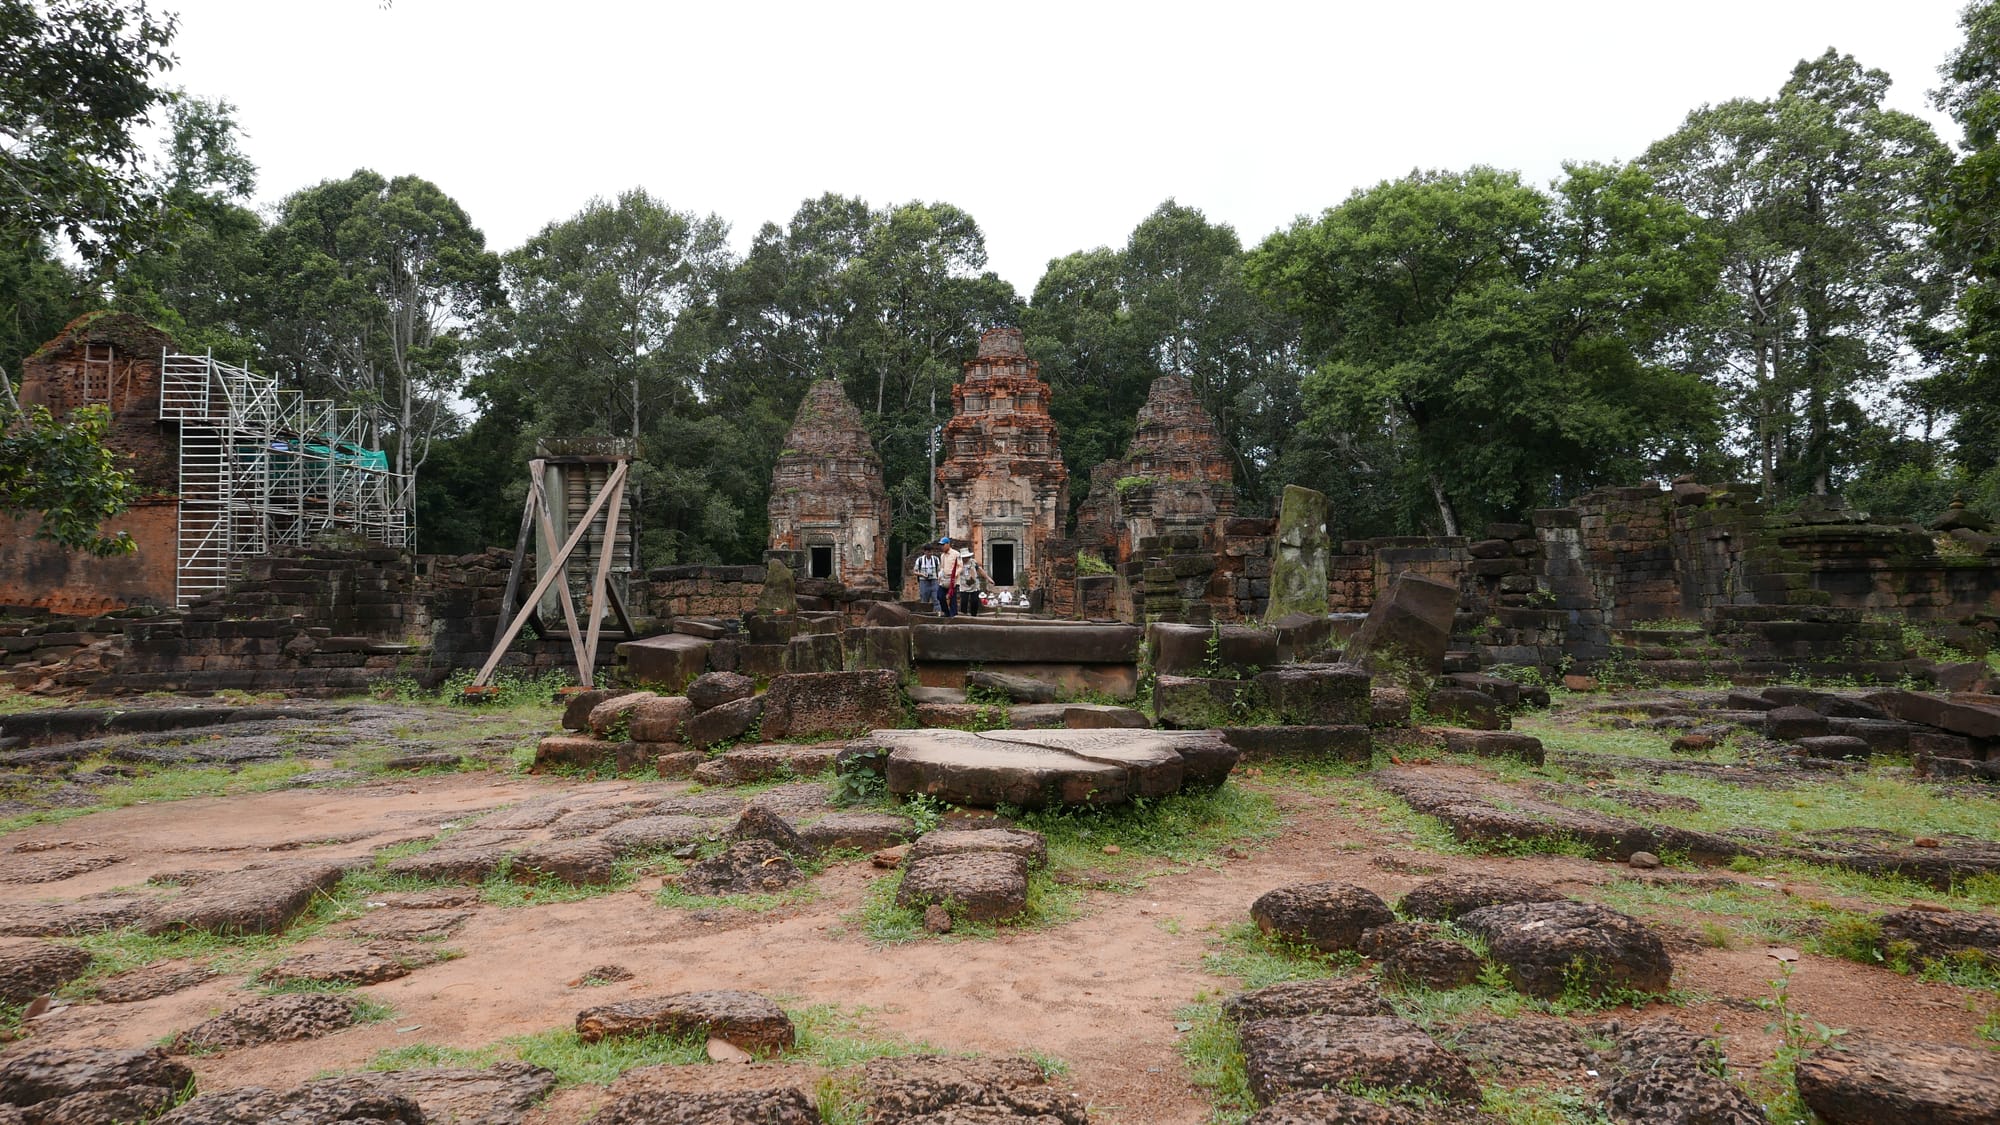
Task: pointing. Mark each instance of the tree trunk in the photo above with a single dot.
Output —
(1767, 438)
(1446, 511)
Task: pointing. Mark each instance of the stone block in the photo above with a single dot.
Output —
(1347, 743)
(1834, 747)
(878, 646)
(1224, 650)
(1194, 703)
(814, 652)
(659, 719)
(1300, 552)
(1492, 744)
(1466, 708)
(577, 706)
(667, 662)
(763, 660)
(832, 703)
(1102, 716)
(608, 719)
(572, 752)
(972, 642)
(1317, 694)
(725, 723)
(1407, 631)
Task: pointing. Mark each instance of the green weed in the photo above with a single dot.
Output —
(1213, 1055)
(423, 1056)
(576, 1062)
(1258, 959)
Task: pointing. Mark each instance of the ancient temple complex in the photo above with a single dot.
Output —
(1175, 476)
(1002, 487)
(827, 499)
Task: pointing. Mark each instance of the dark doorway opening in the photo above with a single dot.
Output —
(1002, 567)
(820, 565)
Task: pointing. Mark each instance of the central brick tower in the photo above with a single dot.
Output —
(1002, 487)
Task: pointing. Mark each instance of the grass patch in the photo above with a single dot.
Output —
(1258, 959)
(1151, 838)
(120, 951)
(1633, 742)
(833, 1037)
(1886, 890)
(1743, 912)
(1185, 829)
(828, 1036)
(425, 1056)
(1386, 812)
(170, 783)
(1049, 903)
(1213, 1055)
(1533, 1105)
(577, 1063)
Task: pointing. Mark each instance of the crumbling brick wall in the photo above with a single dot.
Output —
(111, 360)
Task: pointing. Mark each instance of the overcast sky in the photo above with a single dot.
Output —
(1057, 125)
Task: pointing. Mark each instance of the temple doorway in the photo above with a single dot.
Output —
(819, 564)
(1002, 565)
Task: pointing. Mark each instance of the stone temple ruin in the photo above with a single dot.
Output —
(828, 506)
(1685, 583)
(1002, 487)
(916, 772)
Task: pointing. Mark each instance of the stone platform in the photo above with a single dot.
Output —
(1041, 768)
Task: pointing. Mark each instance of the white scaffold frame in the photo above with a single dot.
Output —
(262, 468)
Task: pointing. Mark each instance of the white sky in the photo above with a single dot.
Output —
(1057, 125)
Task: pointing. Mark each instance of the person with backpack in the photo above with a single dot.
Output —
(971, 584)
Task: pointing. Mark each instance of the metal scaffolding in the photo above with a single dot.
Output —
(262, 468)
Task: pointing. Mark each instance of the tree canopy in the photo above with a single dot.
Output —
(1797, 288)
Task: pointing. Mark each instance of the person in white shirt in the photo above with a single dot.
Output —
(947, 591)
(926, 570)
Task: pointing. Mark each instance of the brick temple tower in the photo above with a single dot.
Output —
(1175, 476)
(827, 499)
(1002, 487)
(110, 360)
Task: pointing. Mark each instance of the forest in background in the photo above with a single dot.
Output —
(1798, 288)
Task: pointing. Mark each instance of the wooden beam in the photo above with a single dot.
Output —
(596, 606)
(520, 555)
(568, 602)
(542, 586)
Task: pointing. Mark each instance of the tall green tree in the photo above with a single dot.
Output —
(1196, 317)
(1967, 215)
(200, 276)
(1080, 328)
(77, 80)
(1505, 337)
(1820, 196)
(1172, 301)
(374, 287)
(609, 310)
(608, 332)
(43, 294)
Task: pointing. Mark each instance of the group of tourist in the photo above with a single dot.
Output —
(949, 577)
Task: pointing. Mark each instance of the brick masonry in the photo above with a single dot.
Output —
(113, 360)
